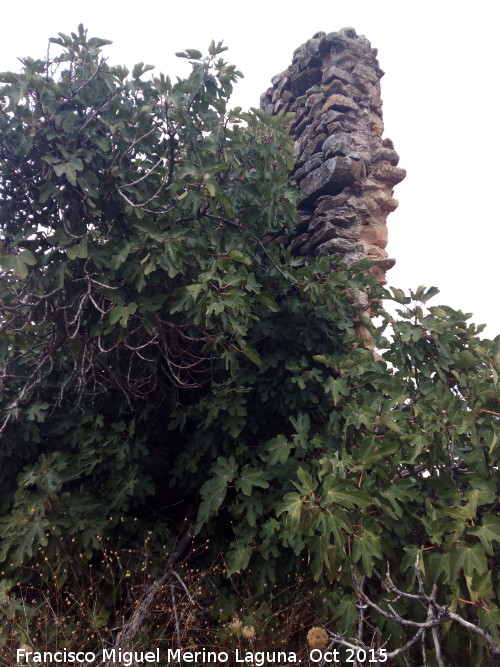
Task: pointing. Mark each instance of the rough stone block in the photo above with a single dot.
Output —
(314, 146)
(386, 172)
(374, 235)
(346, 124)
(311, 164)
(324, 233)
(305, 80)
(336, 73)
(376, 125)
(375, 253)
(337, 144)
(327, 203)
(387, 155)
(283, 85)
(313, 99)
(337, 87)
(385, 264)
(277, 77)
(385, 201)
(331, 178)
(265, 99)
(341, 247)
(344, 217)
(340, 103)
(305, 137)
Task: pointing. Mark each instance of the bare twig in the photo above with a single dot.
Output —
(176, 615)
(437, 615)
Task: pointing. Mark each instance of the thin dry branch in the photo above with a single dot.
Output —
(437, 615)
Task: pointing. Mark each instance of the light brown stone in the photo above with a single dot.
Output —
(393, 175)
(374, 235)
(374, 252)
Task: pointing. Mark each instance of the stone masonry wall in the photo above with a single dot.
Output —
(343, 167)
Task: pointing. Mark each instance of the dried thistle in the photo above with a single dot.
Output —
(235, 624)
(248, 632)
(317, 637)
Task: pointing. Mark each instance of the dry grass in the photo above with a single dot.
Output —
(85, 610)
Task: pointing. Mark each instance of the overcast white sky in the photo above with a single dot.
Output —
(440, 97)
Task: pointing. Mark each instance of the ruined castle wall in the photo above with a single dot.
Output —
(345, 170)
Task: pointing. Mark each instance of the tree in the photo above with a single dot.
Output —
(166, 363)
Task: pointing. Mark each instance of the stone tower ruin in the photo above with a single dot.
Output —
(344, 169)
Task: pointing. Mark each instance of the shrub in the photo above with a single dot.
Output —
(172, 377)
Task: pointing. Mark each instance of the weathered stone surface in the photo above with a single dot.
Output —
(314, 146)
(336, 73)
(309, 135)
(345, 170)
(393, 175)
(346, 125)
(324, 233)
(365, 73)
(386, 155)
(337, 144)
(264, 100)
(340, 103)
(342, 247)
(333, 117)
(374, 235)
(343, 217)
(313, 99)
(343, 89)
(300, 127)
(376, 125)
(313, 163)
(331, 178)
(280, 106)
(305, 80)
(385, 201)
(328, 203)
(297, 244)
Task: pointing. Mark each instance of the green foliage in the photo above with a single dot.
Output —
(163, 359)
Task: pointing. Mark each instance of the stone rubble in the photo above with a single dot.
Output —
(344, 168)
